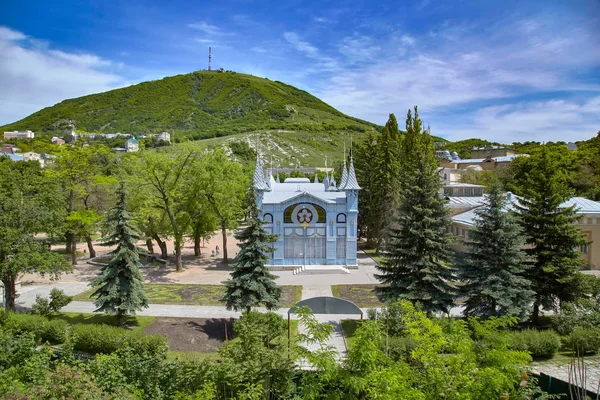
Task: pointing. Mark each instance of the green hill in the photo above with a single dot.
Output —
(198, 105)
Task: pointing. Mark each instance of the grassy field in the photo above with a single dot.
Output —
(361, 295)
(349, 327)
(136, 323)
(371, 253)
(198, 295)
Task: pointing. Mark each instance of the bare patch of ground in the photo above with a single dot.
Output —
(193, 334)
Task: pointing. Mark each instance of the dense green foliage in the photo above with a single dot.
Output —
(451, 359)
(43, 306)
(540, 344)
(120, 286)
(197, 105)
(29, 204)
(494, 269)
(418, 256)
(551, 232)
(252, 284)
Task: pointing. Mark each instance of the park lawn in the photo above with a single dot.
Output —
(198, 295)
(371, 253)
(361, 295)
(135, 323)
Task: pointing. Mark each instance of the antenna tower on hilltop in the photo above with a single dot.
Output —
(209, 57)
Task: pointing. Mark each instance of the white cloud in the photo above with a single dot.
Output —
(258, 49)
(358, 48)
(458, 68)
(34, 76)
(204, 41)
(550, 120)
(301, 45)
(209, 29)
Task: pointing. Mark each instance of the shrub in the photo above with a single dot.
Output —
(108, 339)
(55, 331)
(41, 306)
(540, 344)
(583, 341)
(584, 315)
(58, 299)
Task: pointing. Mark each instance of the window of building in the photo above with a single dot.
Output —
(268, 218)
(341, 218)
(340, 249)
(583, 249)
(463, 233)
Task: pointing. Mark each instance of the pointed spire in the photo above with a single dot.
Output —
(316, 177)
(326, 180)
(352, 183)
(344, 171)
(259, 178)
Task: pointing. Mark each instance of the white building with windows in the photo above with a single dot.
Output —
(19, 135)
(163, 136)
(315, 222)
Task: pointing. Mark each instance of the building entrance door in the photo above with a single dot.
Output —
(314, 241)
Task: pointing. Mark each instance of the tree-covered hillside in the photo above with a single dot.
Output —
(197, 105)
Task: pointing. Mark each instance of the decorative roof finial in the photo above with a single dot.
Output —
(344, 170)
(326, 180)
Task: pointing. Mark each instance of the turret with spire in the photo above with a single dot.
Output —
(344, 172)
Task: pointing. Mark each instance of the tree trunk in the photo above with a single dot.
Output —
(535, 315)
(150, 246)
(162, 246)
(74, 251)
(178, 256)
(224, 231)
(69, 242)
(10, 292)
(197, 251)
(90, 247)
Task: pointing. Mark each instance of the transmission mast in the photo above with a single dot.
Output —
(209, 57)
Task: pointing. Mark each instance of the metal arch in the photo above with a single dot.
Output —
(328, 305)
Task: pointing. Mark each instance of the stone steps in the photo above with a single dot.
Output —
(320, 270)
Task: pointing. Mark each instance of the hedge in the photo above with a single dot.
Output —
(540, 344)
(92, 338)
(583, 341)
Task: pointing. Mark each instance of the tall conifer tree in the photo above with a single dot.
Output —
(418, 257)
(551, 232)
(251, 283)
(120, 283)
(494, 269)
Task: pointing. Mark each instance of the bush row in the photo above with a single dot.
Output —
(92, 338)
(545, 344)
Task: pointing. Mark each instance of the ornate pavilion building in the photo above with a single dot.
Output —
(315, 222)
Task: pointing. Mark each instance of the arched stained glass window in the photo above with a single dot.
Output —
(304, 213)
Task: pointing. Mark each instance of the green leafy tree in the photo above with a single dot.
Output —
(223, 184)
(83, 223)
(166, 178)
(494, 271)
(418, 257)
(251, 283)
(120, 284)
(551, 232)
(367, 201)
(30, 204)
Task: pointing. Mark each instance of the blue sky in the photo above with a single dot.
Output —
(506, 71)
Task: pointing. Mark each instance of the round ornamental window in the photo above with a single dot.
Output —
(304, 216)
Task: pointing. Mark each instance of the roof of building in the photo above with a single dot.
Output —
(581, 204)
(507, 158)
(13, 157)
(464, 202)
(453, 185)
(132, 140)
(279, 196)
(352, 182)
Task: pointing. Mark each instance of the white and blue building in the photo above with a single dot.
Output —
(315, 222)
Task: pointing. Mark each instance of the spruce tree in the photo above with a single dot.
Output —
(494, 269)
(418, 257)
(251, 283)
(551, 232)
(120, 284)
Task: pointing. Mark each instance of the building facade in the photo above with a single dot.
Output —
(315, 222)
(463, 214)
(19, 135)
(132, 144)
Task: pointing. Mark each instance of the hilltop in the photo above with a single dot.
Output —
(198, 105)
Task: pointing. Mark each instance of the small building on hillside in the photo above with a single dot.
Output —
(315, 222)
(8, 148)
(488, 163)
(57, 141)
(492, 151)
(163, 136)
(132, 144)
(19, 135)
